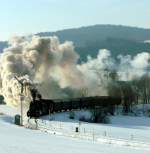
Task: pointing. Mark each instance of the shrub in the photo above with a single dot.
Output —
(106, 120)
(84, 119)
(71, 115)
(100, 116)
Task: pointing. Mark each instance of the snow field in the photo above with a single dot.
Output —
(124, 135)
(120, 132)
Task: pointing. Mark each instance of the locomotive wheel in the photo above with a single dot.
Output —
(28, 113)
(37, 114)
(40, 112)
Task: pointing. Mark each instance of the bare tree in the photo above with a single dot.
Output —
(84, 92)
(143, 85)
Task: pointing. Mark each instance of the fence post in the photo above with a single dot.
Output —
(105, 134)
(79, 126)
(93, 134)
(36, 123)
(49, 125)
(84, 130)
(132, 136)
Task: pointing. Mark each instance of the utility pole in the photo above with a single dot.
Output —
(21, 103)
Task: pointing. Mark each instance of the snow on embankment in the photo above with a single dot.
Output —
(16, 139)
(131, 122)
(7, 113)
(7, 110)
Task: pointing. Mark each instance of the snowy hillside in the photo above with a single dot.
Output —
(59, 136)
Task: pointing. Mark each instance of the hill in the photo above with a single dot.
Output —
(119, 39)
(88, 40)
(80, 36)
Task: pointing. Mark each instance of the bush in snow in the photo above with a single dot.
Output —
(84, 119)
(106, 120)
(99, 115)
(71, 115)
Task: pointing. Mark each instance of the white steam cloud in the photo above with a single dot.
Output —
(55, 67)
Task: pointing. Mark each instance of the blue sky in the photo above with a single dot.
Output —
(31, 16)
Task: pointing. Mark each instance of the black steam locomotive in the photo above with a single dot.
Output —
(40, 107)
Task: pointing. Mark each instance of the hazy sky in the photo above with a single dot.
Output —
(31, 16)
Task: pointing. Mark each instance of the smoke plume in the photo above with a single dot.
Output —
(54, 67)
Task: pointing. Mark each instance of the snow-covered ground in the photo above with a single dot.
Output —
(124, 135)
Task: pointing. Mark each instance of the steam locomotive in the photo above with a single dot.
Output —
(40, 107)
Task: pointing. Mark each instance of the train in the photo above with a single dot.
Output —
(40, 107)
